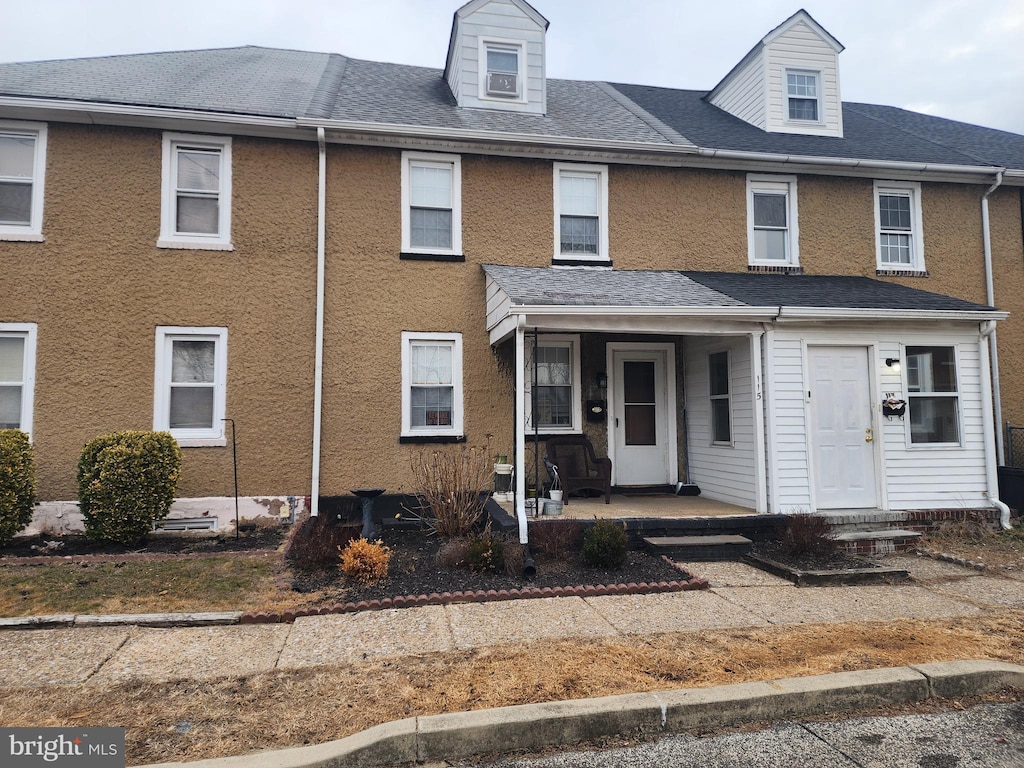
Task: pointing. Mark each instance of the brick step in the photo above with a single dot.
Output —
(699, 548)
(877, 542)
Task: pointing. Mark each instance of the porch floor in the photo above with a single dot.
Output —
(640, 505)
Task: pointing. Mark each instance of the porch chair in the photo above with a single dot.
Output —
(578, 467)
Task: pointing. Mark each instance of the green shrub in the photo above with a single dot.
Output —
(126, 483)
(605, 545)
(365, 560)
(485, 554)
(17, 483)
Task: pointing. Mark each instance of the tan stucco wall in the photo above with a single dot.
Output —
(98, 287)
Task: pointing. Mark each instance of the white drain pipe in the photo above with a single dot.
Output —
(318, 364)
(990, 296)
(991, 472)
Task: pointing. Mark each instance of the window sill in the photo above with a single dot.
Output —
(22, 237)
(427, 439)
(563, 261)
(776, 269)
(198, 245)
(530, 437)
(901, 272)
(417, 256)
(201, 442)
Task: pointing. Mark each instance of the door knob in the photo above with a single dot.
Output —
(868, 436)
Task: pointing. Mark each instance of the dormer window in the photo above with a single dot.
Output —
(502, 72)
(802, 96)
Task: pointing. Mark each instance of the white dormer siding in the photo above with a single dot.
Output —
(788, 83)
(496, 57)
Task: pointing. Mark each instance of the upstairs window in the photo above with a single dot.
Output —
(431, 385)
(502, 70)
(771, 220)
(581, 212)
(934, 398)
(17, 375)
(898, 226)
(802, 94)
(190, 388)
(196, 206)
(721, 411)
(431, 203)
(22, 171)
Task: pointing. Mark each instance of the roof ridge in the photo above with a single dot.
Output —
(642, 114)
(325, 95)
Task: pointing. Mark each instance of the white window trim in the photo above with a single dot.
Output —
(917, 224)
(602, 226)
(28, 332)
(765, 182)
(169, 237)
(501, 42)
(456, 429)
(558, 340)
(711, 398)
(818, 85)
(33, 231)
(432, 158)
(190, 438)
(908, 396)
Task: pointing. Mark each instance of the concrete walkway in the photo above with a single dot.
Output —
(741, 596)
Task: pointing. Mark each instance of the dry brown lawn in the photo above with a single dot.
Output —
(190, 720)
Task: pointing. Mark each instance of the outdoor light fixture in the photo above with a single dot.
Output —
(602, 380)
(894, 363)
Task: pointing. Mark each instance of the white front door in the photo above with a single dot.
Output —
(842, 428)
(640, 418)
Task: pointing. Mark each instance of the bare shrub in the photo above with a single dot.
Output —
(556, 539)
(366, 561)
(314, 546)
(809, 535)
(451, 486)
(452, 553)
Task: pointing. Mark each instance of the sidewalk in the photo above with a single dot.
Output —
(740, 596)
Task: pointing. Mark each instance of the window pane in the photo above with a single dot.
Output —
(198, 215)
(638, 381)
(720, 430)
(553, 406)
(17, 156)
(553, 366)
(10, 407)
(431, 186)
(895, 248)
(770, 244)
(934, 420)
(579, 234)
(15, 203)
(769, 210)
(431, 363)
(803, 109)
(191, 408)
(192, 362)
(12, 359)
(431, 406)
(801, 85)
(894, 211)
(430, 228)
(640, 425)
(198, 171)
(579, 195)
(931, 369)
(502, 61)
(719, 364)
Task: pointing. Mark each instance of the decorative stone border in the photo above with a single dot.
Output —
(946, 558)
(477, 596)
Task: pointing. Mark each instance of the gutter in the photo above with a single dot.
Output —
(318, 364)
(991, 470)
(991, 300)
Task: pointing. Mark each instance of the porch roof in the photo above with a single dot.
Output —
(667, 301)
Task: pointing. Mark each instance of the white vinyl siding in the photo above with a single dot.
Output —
(190, 384)
(723, 472)
(196, 195)
(743, 96)
(499, 23)
(800, 50)
(17, 375)
(22, 180)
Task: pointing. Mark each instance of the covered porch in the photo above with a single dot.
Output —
(641, 505)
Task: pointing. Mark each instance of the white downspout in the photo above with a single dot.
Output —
(318, 364)
(992, 476)
(990, 296)
(520, 471)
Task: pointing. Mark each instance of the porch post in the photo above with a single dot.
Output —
(760, 460)
(520, 427)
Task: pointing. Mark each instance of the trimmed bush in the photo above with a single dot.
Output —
(315, 543)
(17, 483)
(486, 554)
(605, 545)
(126, 483)
(808, 534)
(366, 561)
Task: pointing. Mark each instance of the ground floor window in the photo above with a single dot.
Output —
(934, 400)
(17, 375)
(718, 372)
(190, 386)
(431, 384)
(554, 405)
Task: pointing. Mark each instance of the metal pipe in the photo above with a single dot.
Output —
(991, 471)
(520, 460)
(991, 299)
(234, 462)
(318, 364)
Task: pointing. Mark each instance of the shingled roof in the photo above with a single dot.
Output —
(252, 81)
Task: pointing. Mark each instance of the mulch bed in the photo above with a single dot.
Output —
(834, 561)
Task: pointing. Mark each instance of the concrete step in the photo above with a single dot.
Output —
(877, 542)
(699, 548)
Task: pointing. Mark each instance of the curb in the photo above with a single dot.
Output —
(531, 727)
(65, 620)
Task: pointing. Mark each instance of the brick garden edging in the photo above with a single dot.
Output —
(477, 596)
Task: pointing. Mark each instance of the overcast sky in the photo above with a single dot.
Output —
(962, 59)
